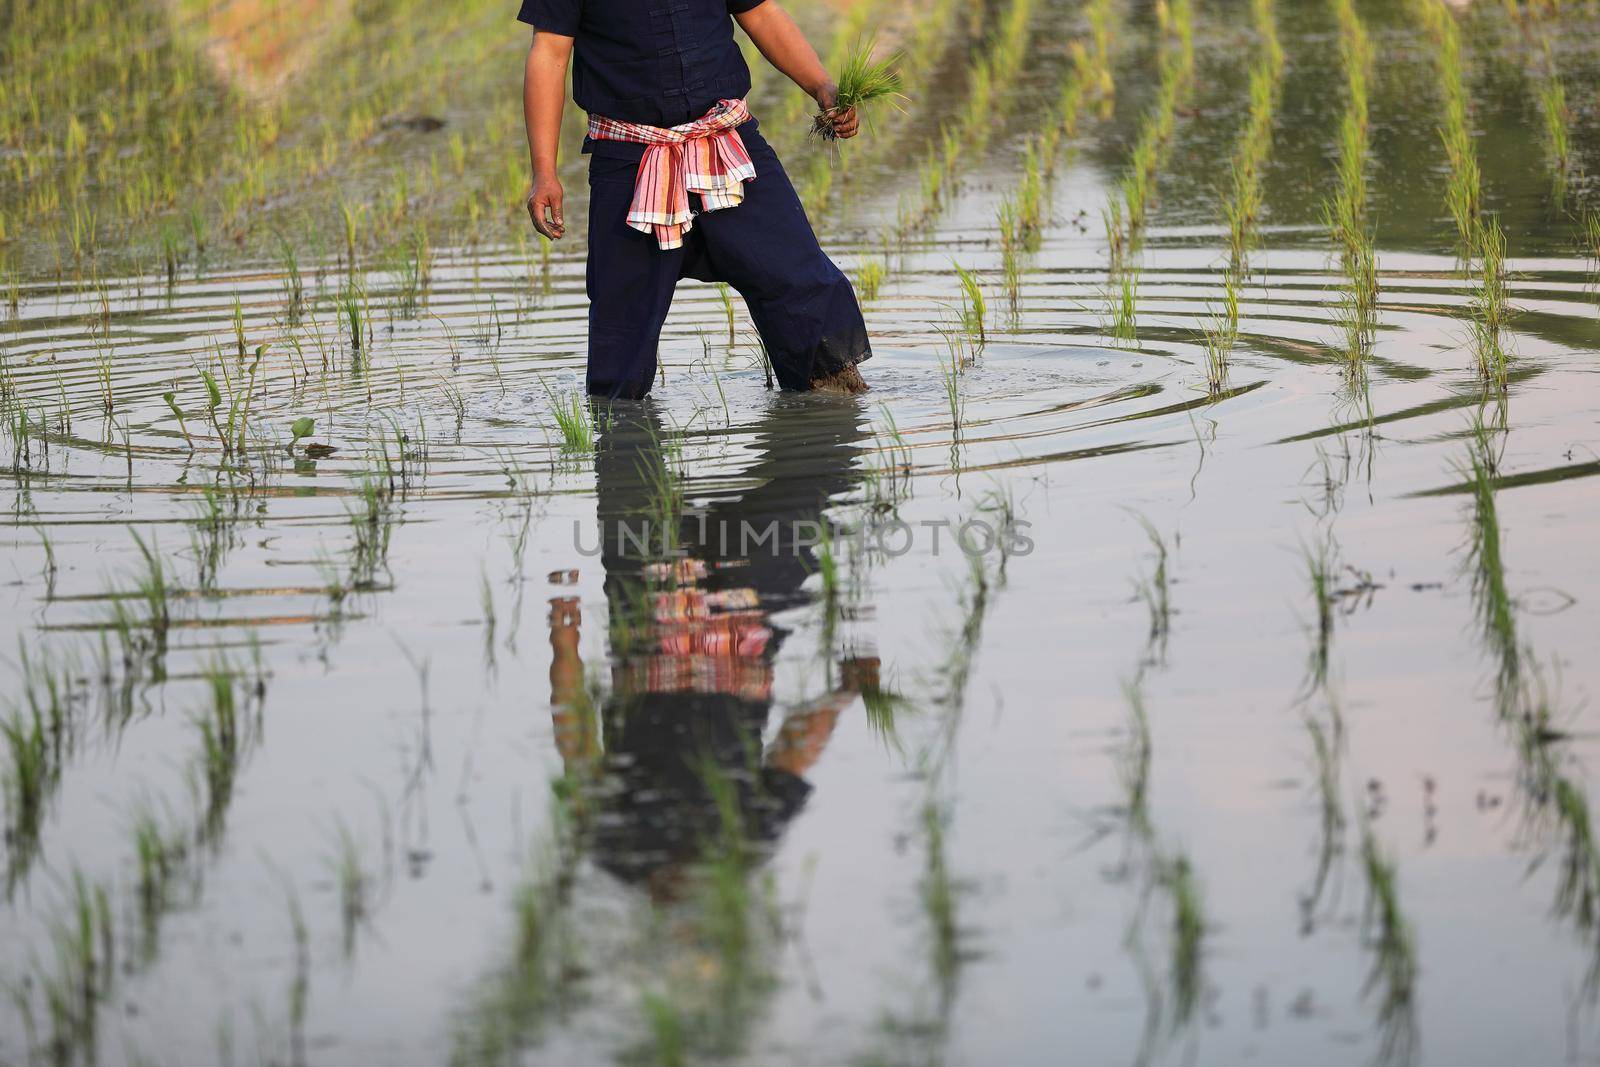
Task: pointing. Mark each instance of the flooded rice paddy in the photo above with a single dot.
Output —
(1184, 653)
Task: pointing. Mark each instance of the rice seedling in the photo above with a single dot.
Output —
(1217, 342)
(862, 81)
(84, 971)
(1125, 309)
(228, 726)
(950, 377)
(869, 279)
(1557, 123)
(372, 522)
(355, 886)
(1578, 878)
(667, 1031)
(1012, 247)
(1491, 309)
(152, 590)
(572, 419)
(211, 536)
(1188, 931)
(31, 773)
(974, 310)
(293, 284)
(939, 897)
(1491, 594)
(299, 981)
(197, 231)
(1326, 733)
(352, 307)
(170, 254)
(1591, 244)
(1154, 590)
(1394, 967)
(661, 469)
(105, 377)
(411, 270)
(1133, 758)
(1321, 563)
(160, 854)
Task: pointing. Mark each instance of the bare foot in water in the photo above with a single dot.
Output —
(847, 382)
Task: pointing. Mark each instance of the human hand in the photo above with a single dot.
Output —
(544, 207)
(846, 122)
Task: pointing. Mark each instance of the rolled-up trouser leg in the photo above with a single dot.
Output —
(630, 282)
(803, 305)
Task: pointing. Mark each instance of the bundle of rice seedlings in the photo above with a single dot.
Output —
(861, 81)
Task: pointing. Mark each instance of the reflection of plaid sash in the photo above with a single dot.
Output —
(705, 641)
(706, 156)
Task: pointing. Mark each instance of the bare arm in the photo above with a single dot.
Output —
(544, 96)
(786, 48)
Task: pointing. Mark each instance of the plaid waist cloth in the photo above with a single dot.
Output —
(706, 156)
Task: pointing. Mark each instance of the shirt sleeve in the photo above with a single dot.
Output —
(739, 7)
(557, 16)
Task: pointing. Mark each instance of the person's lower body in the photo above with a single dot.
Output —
(803, 306)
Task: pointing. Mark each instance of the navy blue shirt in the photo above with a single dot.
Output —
(657, 62)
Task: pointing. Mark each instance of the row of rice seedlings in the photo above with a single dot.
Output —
(1345, 212)
(1136, 191)
(1163, 872)
(1464, 191)
(1128, 206)
(1464, 196)
(72, 991)
(819, 173)
(1554, 797)
(966, 135)
(939, 891)
(85, 969)
(1241, 204)
(1021, 215)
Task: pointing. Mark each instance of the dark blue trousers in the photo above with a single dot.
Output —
(802, 304)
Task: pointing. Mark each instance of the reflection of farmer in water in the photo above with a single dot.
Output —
(693, 642)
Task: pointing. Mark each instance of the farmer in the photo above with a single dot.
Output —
(683, 185)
